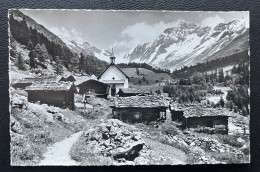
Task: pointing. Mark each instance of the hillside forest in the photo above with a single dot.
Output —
(43, 51)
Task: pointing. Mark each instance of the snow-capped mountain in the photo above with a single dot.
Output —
(86, 49)
(188, 43)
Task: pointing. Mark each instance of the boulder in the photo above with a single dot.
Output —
(105, 136)
(129, 153)
(104, 128)
(141, 161)
(96, 108)
(115, 131)
(129, 163)
(137, 136)
(59, 116)
(15, 125)
(240, 140)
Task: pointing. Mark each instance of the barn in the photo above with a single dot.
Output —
(197, 117)
(60, 94)
(97, 88)
(137, 109)
(126, 92)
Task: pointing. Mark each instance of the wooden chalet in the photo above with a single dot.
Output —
(94, 87)
(139, 108)
(60, 94)
(126, 92)
(193, 117)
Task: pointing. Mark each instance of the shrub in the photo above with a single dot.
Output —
(23, 149)
(246, 150)
(230, 140)
(169, 128)
(192, 160)
(229, 158)
(92, 115)
(176, 145)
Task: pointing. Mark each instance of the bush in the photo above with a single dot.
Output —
(230, 140)
(246, 150)
(92, 115)
(176, 145)
(169, 128)
(229, 158)
(23, 149)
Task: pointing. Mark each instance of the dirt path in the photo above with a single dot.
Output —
(58, 153)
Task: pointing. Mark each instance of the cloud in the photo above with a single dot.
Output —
(72, 34)
(140, 33)
(212, 21)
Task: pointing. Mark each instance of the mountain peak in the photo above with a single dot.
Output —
(188, 43)
(187, 25)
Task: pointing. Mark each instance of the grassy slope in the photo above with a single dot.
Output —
(37, 134)
(150, 75)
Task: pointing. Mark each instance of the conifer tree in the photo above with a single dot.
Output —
(32, 59)
(20, 62)
(81, 62)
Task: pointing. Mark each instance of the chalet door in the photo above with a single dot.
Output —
(113, 90)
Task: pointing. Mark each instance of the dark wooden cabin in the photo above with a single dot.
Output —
(59, 94)
(139, 109)
(194, 117)
(94, 87)
(126, 92)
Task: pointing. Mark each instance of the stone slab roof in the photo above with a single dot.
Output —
(35, 80)
(51, 86)
(205, 112)
(133, 90)
(150, 101)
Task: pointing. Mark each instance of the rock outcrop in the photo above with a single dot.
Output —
(116, 139)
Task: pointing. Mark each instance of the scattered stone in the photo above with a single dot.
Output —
(240, 140)
(116, 139)
(15, 125)
(129, 163)
(141, 161)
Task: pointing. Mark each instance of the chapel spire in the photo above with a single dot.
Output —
(112, 58)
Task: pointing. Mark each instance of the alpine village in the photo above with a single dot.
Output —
(70, 107)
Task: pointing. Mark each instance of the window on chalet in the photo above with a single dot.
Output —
(137, 116)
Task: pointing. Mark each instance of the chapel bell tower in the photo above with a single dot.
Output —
(112, 58)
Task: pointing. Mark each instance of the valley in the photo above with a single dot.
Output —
(180, 99)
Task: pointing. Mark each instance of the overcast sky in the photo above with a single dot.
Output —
(121, 29)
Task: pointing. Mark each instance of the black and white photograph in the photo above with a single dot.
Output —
(128, 87)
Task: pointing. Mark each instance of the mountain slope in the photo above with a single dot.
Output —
(46, 47)
(18, 15)
(188, 43)
(86, 48)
